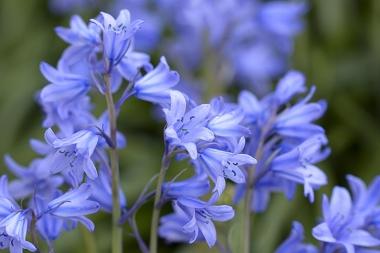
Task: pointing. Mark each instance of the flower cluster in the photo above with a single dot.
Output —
(285, 141)
(72, 177)
(258, 146)
(250, 46)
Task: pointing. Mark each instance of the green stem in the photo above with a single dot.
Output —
(157, 207)
(117, 235)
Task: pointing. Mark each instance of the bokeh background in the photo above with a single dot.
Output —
(339, 51)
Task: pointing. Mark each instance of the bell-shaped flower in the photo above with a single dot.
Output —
(64, 88)
(294, 243)
(297, 165)
(194, 187)
(79, 34)
(13, 222)
(341, 229)
(296, 121)
(220, 163)
(130, 65)
(74, 205)
(196, 218)
(117, 35)
(102, 191)
(186, 126)
(35, 179)
(155, 85)
(71, 156)
(291, 84)
(226, 121)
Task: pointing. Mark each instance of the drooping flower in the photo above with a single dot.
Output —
(102, 191)
(297, 165)
(294, 243)
(72, 155)
(73, 206)
(155, 85)
(193, 221)
(34, 179)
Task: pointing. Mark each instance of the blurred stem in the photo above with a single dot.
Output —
(117, 235)
(248, 198)
(89, 241)
(157, 207)
(34, 232)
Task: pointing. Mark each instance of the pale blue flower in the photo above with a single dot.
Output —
(294, 243)
(72, 155)
(186, 126)
(193, 220)
(117, 35)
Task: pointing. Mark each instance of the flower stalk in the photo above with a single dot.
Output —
(157, 198)
(117, 235)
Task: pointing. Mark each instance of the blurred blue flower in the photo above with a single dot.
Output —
(193, 221)
(342, 227)
(294, 243)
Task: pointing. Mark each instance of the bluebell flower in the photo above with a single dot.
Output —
(34, 179)
(225, 121)
(102, 191)
(294, 243)
(13, 222)
(73, 206)
(297, 165)
(193, 221)
(80, 34)
(296, 121)
(291, 84)
(342, 228)
(220, 163)
(117, 35)
(64, 87)
(131, 64)
(72, 155)
(186, 126)
(194, 187)
(155, 85)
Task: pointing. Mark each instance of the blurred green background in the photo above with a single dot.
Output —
(339, 51)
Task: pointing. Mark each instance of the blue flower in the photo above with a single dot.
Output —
(297, 165)
(291, 84)
(194, 187)
(294, 243)
(226, 121)
(13, 222)
(35, 179)
(155, 85)
(220, 163)
(341, 226)
(193, 220)
(102, 191)
(73, 206)
(296, 121)
(64, 88)
(186, 126)
(72, 155)
(80, 34)
(117, 35)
